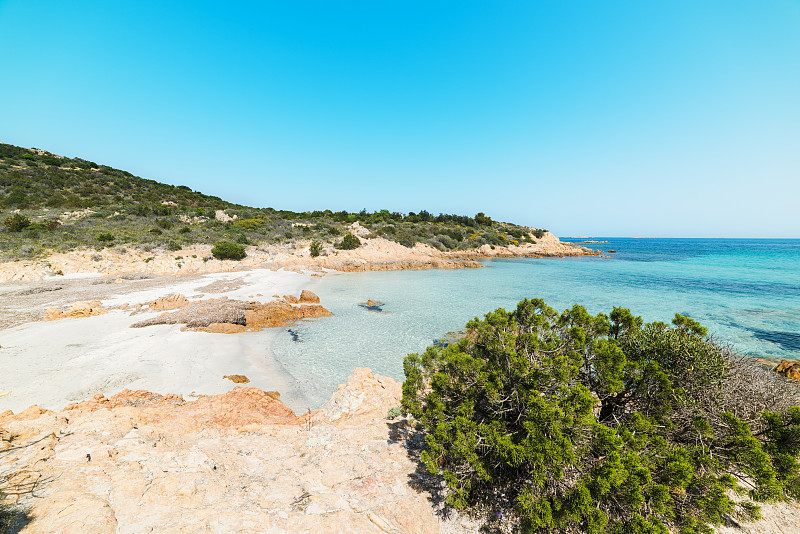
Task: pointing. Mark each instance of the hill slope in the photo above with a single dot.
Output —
(50, 202)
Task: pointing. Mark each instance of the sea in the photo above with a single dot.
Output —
(746, 291)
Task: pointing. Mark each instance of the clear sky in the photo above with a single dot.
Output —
(642, 118)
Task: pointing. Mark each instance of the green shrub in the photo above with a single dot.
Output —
(105, 236)
(394, 412)
(52, 160)
(16, 222)
(577, 423)
(349, 242)
(538, 233)
(480, 218)
(315, 249)
(406, 238)
(185, 230)
(226, 250)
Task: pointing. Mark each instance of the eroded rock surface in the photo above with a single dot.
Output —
(238, 462)
(229, 316)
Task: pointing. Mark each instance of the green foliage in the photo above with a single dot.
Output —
(602, 424)
(135, 210)
(226, 250)
(16, 222)
(394, 412)
(105, 236)
(349, 242)
(315, 249)
(406, 238)
(482, 219)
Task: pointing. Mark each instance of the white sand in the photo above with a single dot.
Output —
(55, 363)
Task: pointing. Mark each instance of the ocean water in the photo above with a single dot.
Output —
(747, 292)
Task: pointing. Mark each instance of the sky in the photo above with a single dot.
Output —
(615, 118)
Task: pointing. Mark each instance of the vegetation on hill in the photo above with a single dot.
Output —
(58, 203)
(569, 422)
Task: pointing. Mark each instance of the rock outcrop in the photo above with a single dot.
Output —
(789, 369)
(229, 316)
(238, 462)
(78, 310)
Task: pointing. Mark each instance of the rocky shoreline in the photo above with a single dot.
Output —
(375, 254)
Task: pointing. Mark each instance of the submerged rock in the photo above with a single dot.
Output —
(371, 305)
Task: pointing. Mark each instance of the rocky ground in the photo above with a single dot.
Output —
(237, 462)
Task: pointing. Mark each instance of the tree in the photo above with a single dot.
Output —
(349, 242)
(315, 249)
(481, 218)
(578, 423)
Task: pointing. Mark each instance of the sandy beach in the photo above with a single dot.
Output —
(54, 363)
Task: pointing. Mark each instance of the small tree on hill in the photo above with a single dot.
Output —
(349, 242)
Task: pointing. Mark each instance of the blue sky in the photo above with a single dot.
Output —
(587, 118)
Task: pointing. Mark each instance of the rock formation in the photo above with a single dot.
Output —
(790, 369)
(78, 310)
(238, 462)
(229, 316)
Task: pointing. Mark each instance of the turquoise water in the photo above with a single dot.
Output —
(746, 291)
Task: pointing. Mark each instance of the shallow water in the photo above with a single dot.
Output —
(747, 292)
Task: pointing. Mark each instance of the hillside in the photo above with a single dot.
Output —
(53, 203)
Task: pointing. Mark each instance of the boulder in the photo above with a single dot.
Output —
(309, 297)
(790, 369)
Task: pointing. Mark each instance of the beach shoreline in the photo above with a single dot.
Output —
(55, 363)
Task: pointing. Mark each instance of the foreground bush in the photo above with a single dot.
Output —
(577, 423)
(226, 250)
